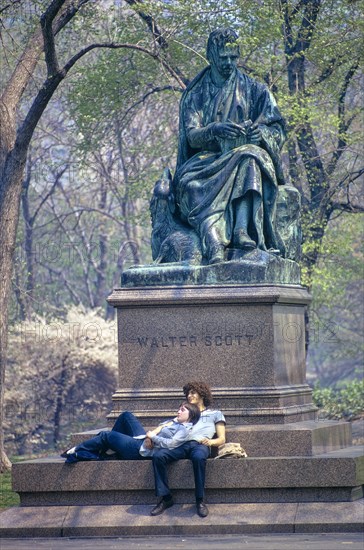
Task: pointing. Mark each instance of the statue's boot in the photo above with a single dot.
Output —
(242, 240)
(274, 251)
(215, 250)
(216, 254)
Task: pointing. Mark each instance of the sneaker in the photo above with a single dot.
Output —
(68, 452)
(71, 458)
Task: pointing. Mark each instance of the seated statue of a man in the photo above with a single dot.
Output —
(228, 166)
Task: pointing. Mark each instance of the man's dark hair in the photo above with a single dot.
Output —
(202, 389)
(194, 411)
(219, 38)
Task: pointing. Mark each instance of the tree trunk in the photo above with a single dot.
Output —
(59, 402)
(10, 191)
(28, 246)
(100, 293)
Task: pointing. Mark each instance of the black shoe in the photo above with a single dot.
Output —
(163, 505)
(202, 509)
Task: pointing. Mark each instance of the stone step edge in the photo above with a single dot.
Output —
(135, 520)
(307, 439)
(31, 476)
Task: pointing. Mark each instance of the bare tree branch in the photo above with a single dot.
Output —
(12, 3)
(296, 9)
(159, 36)
(59, 272)
(343, 125)
(57, 178)
(145, 96)
(31, 53)
(112, 45)
(46, 22)
(308, 23)
(151, 23)
(347, 207)
(286, 26)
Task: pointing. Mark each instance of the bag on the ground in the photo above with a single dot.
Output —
(231, 450)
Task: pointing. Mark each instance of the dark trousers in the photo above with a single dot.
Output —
(119, 439)
(193, 450)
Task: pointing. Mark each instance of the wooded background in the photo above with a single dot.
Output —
(89, 118)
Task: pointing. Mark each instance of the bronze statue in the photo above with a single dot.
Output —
(224, 191)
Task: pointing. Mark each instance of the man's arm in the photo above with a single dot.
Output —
(219, 440)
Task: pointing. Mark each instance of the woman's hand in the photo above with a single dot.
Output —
(148, 443)
(206, 441)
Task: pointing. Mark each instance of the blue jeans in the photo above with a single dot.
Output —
(119, 439)
(193, 450)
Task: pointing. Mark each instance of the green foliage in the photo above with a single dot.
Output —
(336, 323)
(346, 402)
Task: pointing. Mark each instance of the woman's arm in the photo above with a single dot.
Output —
(176, 440)
(153, 432)
(219, 440)
(159, 428)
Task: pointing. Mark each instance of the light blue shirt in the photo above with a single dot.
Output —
(206, 427)
(170, 437)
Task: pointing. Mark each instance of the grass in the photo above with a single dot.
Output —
(7, 497)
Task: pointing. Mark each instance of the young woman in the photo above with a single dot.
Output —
(130, 441)
(197, 448)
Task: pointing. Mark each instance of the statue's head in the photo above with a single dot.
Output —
(223, 51)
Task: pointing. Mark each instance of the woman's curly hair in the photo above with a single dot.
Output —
(202, 389)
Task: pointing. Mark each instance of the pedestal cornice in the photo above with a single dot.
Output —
(219, 294)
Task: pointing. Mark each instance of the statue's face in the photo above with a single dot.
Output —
(225, 61)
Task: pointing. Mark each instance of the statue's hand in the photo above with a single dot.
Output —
(226, 130)
(255, 135)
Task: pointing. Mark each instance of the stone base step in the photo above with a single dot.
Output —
(335, 476)
(298, 439)
(134, 520)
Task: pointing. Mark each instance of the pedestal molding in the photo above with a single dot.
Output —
(218, 294)
(171, 393)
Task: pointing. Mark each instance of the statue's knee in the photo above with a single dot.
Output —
(192, 185)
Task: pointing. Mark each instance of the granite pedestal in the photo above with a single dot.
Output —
(246, 342)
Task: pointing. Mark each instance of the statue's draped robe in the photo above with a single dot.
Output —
(211, 175)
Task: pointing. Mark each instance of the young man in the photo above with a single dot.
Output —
(197, 449)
